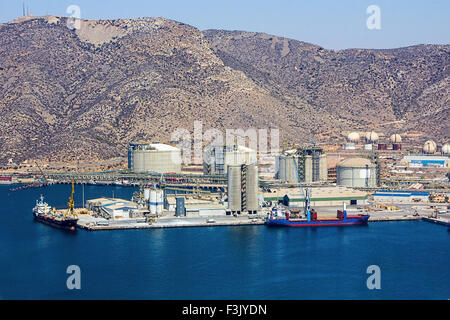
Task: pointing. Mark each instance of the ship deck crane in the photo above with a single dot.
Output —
(306, 193)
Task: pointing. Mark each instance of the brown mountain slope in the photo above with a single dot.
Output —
(369, 87)
(84, 94)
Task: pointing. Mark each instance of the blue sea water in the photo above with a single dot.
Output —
(253, 262)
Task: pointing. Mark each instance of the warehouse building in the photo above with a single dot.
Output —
(153, 157)
(356, 173)
(311, 163)
(323, 196)
(115, 209)
(420, 161)
(217, 157)
(190, 206)
(401, 196)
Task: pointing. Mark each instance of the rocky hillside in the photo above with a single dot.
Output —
(83, 94)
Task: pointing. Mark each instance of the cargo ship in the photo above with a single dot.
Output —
(281, 218)
(66, 220)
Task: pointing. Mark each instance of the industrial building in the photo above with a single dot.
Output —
(322, 196)
(153, 157)
(356, 173)
(112, 208)
(242, 188)
(191, 206)
(217, 157)
(419, 161)
(311, 163)
(401, 196)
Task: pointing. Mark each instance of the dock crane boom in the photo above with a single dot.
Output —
(42, 172)
(306, 193)
(70, 204)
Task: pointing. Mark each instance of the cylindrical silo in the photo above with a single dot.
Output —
(252, 188)
(291, 173)
(159, 201)
(356, 172)
(282, 167)
(153, 201)
(147, 194)
(234, 188)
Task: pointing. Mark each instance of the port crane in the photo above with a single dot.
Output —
(306, 193)
(42, 172)
(71, 204)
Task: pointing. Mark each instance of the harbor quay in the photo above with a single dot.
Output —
(169, 220)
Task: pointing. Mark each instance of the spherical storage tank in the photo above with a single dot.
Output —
(353, 137)
(396, 138)
(446, 149)
(371, 136)
(429, 147)
(356, 172)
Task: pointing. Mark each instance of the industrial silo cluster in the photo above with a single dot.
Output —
(242, 186)
(153, 157)
(217, 157)
(357, 172)
(309, 162)
(155, 199)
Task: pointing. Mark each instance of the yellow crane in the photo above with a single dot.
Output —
(70, 204)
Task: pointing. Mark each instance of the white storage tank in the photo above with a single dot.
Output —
(446, 149)
(159, 201)
(147, 194)
(429, 147)
(356, 172)
(154, 157)
(353, 137)
(153, 201)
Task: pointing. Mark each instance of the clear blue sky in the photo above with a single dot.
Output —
(332, 24)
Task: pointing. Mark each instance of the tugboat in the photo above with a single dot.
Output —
(44, 213)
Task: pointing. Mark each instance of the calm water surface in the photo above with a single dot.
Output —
(253, 262)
